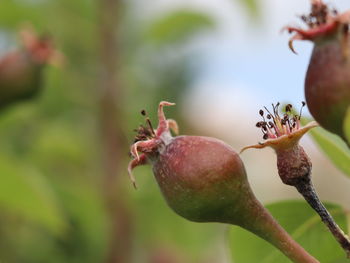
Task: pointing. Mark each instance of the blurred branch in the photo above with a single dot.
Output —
(111, 133)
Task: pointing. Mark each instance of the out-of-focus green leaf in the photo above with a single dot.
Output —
(89, 220)
(347, 126)
(191, 238)
(177, 27)
(333, 146)
(26, 193)
(10, 11)
(251, 5)
(301, 222)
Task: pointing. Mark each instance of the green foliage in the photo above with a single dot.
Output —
(159, 222)
(11, 10)
(52, 205)
(177, 27)
(251, 5)
(27, 193)
(334, 147)
(347, 126)
(305, 227)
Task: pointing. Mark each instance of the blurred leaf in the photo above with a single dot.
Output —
(347, 125)
(251, 5)
(11, 10)
(192, 239)
(333, 146)
(177, 27)
(301, 222)
(26, 193)
(89, 221)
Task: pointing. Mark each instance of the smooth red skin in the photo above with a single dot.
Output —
(200, 177)
(327, 84)
(204, 180)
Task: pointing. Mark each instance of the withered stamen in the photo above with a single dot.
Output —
(301, 109)
(150, 126)
(278, 126)
(143, 132)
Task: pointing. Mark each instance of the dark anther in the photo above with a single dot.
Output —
(258, 124)
(268, 116)
(277, 105)
(143, 113)
(289, 107)
(261, 112)
(264, 128)
(265, 136)
(303, 103)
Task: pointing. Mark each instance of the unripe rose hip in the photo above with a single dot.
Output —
(204, 180)
(327, 81)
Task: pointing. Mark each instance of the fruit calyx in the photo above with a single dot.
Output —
(149, 141)
(281, 132)
(322, 22)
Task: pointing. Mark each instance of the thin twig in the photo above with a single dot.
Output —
(307, 190)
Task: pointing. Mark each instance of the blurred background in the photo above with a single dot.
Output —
(64, 191)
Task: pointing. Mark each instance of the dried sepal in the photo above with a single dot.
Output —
(148, 140)
(321, 22)
(284, 141)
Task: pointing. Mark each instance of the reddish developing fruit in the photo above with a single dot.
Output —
(21, 71)
(204, 180)
(282, 133)
(327, 82)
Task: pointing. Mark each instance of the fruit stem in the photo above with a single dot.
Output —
(307, 190)
(259, 221)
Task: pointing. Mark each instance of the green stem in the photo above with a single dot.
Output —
(259, 221)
